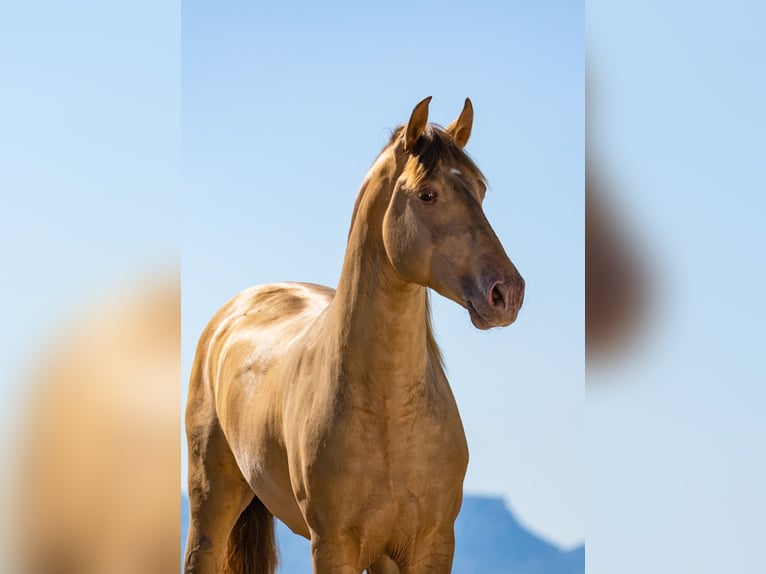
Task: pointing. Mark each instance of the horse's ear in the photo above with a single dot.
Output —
(460, 129)
(417, 123)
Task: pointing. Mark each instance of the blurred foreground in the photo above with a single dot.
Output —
(97, 479)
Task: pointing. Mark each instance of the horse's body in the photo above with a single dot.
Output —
(331, 409)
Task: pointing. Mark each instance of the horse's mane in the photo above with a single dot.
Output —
(435, 357)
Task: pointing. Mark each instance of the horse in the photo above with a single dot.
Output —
(330, 409)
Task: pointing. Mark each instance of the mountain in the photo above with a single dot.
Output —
(489, 540)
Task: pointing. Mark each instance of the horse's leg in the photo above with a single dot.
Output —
(336, 555)
(217, 494)
(435, 556)
(383, 565)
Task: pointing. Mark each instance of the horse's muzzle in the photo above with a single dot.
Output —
(498, 302)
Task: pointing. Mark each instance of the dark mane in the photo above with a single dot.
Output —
(435, 148)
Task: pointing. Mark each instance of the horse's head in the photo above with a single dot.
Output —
(434, 230)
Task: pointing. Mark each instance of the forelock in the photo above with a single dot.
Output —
(436, 149)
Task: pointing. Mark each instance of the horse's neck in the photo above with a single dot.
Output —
(380, 321)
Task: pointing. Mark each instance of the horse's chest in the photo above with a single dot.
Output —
(391, 473)
(400, 453)
(393, 479)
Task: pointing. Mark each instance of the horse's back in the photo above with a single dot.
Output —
(243, 339)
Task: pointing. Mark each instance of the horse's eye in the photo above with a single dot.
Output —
(426, 196)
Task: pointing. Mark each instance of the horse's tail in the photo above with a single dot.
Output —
(252, 548)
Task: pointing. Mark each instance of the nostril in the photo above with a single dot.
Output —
(497, 295)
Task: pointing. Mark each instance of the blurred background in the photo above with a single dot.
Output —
(90, 284)
(674, 421)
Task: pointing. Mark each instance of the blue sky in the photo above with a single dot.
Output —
(89, 163)
(284, 110)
